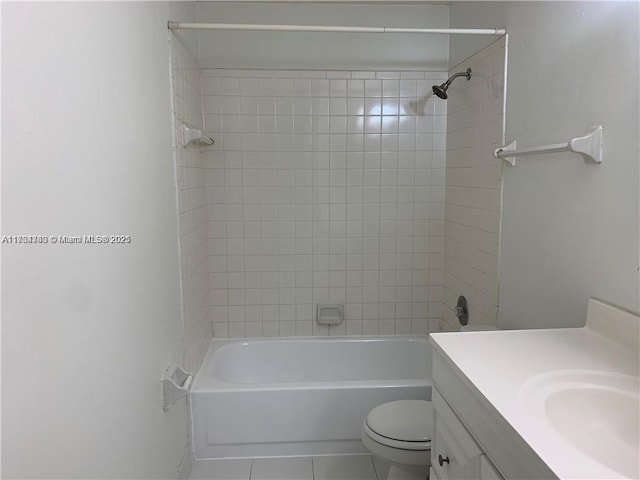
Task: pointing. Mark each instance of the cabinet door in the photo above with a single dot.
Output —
(454, 454)
(487, 470)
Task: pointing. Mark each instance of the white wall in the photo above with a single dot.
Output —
(325, 187)
(473, 193)
(87, 330)
(570, 230)
(322, 51)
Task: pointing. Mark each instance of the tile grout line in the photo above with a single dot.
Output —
(375, 471)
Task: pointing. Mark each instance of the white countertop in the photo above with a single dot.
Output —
(500, 365)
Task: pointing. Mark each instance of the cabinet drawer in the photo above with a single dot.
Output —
(454, 453)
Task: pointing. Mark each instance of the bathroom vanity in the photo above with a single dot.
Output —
(538, 404)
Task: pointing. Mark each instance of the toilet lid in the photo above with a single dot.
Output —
(403, 420)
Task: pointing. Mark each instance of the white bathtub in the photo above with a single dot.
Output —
(300, 396)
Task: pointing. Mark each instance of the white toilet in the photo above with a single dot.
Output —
(400, 433)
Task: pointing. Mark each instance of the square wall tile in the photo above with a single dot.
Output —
(319, 189)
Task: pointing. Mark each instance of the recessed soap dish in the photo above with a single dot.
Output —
(329, 314)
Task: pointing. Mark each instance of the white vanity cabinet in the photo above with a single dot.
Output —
(454, 452)
(504, 402)
(470, 440)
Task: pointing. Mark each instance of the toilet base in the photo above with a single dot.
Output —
(397, 456)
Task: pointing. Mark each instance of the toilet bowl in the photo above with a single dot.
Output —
(400, 433)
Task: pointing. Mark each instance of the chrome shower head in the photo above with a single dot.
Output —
(441, 90)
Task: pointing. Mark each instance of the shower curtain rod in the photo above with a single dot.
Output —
(330, 28)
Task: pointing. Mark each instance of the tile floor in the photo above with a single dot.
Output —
(343, 467)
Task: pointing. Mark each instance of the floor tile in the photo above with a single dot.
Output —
(351, 467)
(222, 469)
(383, 472)
(292, 468)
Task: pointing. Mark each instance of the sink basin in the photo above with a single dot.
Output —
(601, 422)
(597, 413)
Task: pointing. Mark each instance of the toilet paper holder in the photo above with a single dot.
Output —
(175, 385)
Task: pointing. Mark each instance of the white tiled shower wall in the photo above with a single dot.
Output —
(190, 164)
(474, 187)
(324, 187)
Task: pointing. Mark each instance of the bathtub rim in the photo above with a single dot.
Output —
(206, 383)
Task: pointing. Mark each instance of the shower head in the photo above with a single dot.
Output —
(441, 90)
